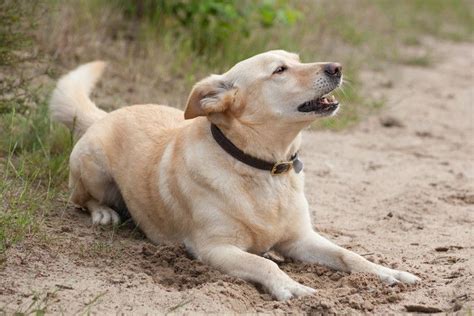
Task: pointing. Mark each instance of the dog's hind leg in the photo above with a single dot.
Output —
(91, 186)
(102, 214)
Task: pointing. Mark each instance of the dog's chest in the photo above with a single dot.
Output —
(275, 211)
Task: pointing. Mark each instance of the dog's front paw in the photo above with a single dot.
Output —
(287, 289)
(406, 277)
(395, 276)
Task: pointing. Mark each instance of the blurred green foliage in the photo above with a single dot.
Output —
(12, 38)
(209, 24)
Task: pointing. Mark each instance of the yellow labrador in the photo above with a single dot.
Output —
(223, 177)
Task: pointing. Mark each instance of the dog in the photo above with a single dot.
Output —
(223, 177)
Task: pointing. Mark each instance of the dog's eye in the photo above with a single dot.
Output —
(280, 70)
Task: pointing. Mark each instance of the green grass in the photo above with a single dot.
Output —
(33, 150)
(33, 162)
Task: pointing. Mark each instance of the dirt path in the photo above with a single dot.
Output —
(397, 189)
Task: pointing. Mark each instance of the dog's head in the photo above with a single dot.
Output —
(270, 87)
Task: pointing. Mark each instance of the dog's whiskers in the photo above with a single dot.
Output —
(342, 90)
(345, 80)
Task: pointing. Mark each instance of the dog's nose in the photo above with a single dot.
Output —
(333, 69)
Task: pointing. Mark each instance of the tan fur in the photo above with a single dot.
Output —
(70, 101)
(179, 185)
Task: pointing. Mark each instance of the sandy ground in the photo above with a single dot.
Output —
(397, 189)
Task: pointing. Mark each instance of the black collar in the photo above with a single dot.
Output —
(273, 167)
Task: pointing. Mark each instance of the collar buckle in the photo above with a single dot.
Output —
(282, 167)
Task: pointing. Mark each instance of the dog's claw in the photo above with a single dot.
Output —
(291, 289)
(406, 277)
(105, 216)
(396, 276)
(390, 280)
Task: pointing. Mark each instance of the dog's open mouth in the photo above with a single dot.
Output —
(324, 105)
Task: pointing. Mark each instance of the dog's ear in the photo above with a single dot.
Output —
(211, 95)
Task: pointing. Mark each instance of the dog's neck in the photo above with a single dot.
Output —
(265, 142)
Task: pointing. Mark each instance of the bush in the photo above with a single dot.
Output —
(209, 24)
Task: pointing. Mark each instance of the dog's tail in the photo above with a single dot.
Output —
(70, 103)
